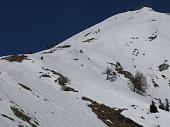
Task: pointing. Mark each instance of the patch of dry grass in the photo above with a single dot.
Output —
(16, 58)
(110, 116)
(23, 116)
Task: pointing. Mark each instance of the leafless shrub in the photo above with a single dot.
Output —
(110, 74)
(139, 83)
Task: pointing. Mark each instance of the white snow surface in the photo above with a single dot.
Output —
(114, 40)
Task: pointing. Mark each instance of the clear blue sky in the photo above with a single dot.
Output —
(29, 25)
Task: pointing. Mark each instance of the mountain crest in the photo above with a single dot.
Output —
(146, 9)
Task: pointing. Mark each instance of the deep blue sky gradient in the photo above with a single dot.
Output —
(29, 25)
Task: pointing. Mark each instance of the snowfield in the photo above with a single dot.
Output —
(31, 94)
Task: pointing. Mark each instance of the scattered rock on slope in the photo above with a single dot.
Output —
(163, 67)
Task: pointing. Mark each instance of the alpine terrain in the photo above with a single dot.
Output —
(114, 74)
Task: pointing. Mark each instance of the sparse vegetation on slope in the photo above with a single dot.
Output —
(89, 40)
(7, 117)
(25, 117)
(120, 70)
(53, 49)
(62, 80)
(16, 58)
(139, 83)
(163, 67)
(110, 74)
(24, 86)
(64, 46)
(110, 116)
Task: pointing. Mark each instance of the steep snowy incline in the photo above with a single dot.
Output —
(45, 88)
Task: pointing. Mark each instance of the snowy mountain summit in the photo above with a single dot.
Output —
(107, 75)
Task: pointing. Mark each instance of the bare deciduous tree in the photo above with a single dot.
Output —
(110, 74)
(167, 105)
(107, 72)
(139, 83)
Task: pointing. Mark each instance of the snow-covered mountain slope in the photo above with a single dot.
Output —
(33, 93)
